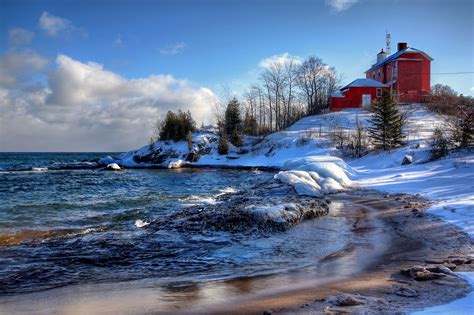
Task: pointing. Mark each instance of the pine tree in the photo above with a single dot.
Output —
(439, 145)
(223, 146)
(233, 122)
(386, 124)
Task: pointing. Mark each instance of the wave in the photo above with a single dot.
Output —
(141, 223)
(192, 200)
(39, 169)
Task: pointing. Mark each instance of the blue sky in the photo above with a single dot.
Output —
(211, 43)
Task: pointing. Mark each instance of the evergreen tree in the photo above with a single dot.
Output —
(386, 124)
(462, 123)
(223, 146)
(233, 122)
(176, 126)
(439, 145)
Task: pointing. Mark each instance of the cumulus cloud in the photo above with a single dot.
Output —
(19, 36)
(341, 5)
(280, 60)
(55, 26)
(86, 107)
(173, 49)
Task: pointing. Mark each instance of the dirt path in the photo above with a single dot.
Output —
(405, 236)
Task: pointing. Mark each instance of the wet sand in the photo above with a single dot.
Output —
(391, 232)
(412, 237)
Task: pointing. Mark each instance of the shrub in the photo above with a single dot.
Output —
(223, 146)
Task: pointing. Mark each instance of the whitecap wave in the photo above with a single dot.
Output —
(141, 223)
(39, 169)
(195, 199)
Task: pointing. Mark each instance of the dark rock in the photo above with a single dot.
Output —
(267, 312)
(407, 159)
(427, 275)
(420, 273)
(458, 261)
(434, 261)
(348, 300)
(405, 292)
(450, 266)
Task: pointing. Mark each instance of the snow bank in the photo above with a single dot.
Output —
(460, 306)
(315, 176)
(301, 181)
(448, 182)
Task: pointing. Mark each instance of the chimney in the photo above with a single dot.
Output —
(381, 56)
(402, 46)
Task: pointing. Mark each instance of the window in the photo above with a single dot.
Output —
(373, 75)
(394, 92)
(379, 92)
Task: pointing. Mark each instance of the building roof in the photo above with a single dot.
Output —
(337, 94)
(397, 54)
(364, 83)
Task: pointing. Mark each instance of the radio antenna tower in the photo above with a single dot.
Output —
(388, 39)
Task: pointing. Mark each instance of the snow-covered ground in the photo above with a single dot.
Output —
(464, 305)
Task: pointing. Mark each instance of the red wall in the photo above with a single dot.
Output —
(353, 98)
(413, 76)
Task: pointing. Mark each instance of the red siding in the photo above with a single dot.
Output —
(353, 98)
(412, 72)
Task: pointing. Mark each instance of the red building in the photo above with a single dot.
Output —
(406, 73)
(359, 93)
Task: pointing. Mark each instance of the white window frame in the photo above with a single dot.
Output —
(378, 92)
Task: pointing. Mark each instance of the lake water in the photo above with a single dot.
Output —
(62, 223)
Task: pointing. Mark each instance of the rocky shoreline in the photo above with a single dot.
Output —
(416, 269)
(271, 206)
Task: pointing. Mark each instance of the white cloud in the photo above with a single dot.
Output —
(341, 5)
(86, 107)
(55, 26)
(279, 60)
(173, 49)
(21, 65)
(19, 36)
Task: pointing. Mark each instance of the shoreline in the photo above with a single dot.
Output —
(371, 275)
(416, 238)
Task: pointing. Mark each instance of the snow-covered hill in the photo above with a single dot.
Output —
(305, 146)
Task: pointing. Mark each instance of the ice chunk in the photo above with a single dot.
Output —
(302, 182)
(175, 164)
(330, 185)
(114, 167)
